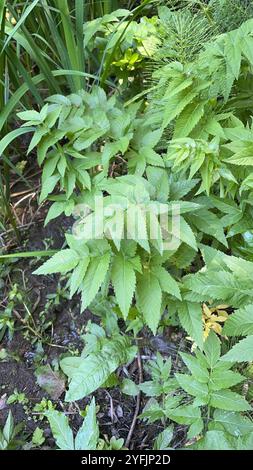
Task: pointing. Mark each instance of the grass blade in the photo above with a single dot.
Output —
(27, 12)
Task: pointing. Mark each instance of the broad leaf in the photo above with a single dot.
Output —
(60, 428)
(88, 434)
(61, 262)
(149, 299)
(241, 352)
(123, 280)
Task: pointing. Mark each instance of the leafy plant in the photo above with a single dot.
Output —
(151, 153)
(87, 437)
(98, 361)
(9, 433)
(210, 404)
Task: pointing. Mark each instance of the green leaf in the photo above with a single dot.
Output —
(137, 226)
(212, 349)
(179, 189)
(185, 414)
(55, 210)
(240, 323)
(48, 186)
(7, 139)
(123, 280)
(129, 387)
(88, 435)
(221, 379)
(213, 440)
(227, 400)
(96, 368)
(166, 281)
(190, 316)
(152, 411)
(163, 439)
(70, 364)
(192, 386)
(149, 299)
(60, 428)
(241, 352)
(151, 388)
(38, 437)
(94, 278)
(188, 119)
(199, 371)
(219, 285)
(234, 423)
(186, 234)
(8, 428)
(78, 275)
(61, 262)
(195, 428)
(177, 104)
(209, 223)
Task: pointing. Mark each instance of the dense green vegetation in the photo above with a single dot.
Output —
(138, 119)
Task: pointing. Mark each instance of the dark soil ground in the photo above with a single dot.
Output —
(61, 325)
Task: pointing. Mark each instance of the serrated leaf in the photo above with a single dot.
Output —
(187, 235)
(240, 323)
(166, 281)
(185, 414)
(95, 369)
(55, 210)
(221, 379)
(190, 316)
(78, 275)
(212, 349)
(218, 285)
(227, 400)
(94, 278)
(123, 280)
(241, 352)
(48, 186)
(149, 299)
(234, 423)
(61, 262)
(209, 223)
(151, 388)
(196, 368)
(192, 386)
(137, 226)
(188, 119)
(129, 387)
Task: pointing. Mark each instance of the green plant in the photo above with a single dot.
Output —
(90, 260)
(7, 319)
(87, 437)
(17, 397)
(9, 433)
(209, 403)
(100, 358)
(161, 192)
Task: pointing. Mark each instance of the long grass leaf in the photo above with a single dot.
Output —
(29, 254)
(69, 38)
(2, 9)
(25, 14)
(7, 139)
